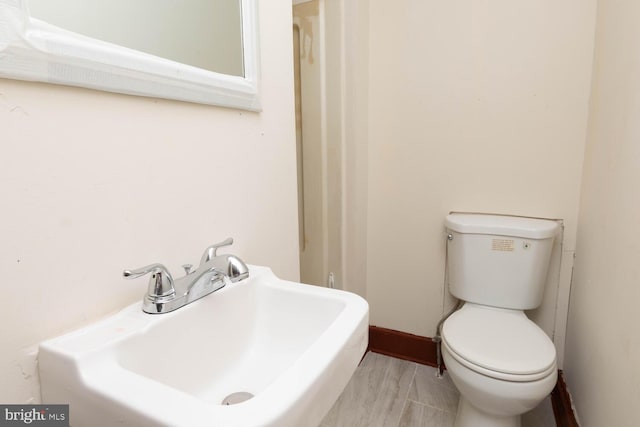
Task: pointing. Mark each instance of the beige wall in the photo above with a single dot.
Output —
(473, 106)
(603, 337)
(92, 183)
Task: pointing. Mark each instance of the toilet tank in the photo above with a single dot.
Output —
(500, 261)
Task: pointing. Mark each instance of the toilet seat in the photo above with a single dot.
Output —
(499, 343)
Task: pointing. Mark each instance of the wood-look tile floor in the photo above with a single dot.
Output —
(389, 392)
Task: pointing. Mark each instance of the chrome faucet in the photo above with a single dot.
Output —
(166, 294)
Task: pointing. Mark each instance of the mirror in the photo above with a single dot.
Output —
(204, 33)
(125, 46)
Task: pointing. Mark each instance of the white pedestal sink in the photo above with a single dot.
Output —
(292, 346)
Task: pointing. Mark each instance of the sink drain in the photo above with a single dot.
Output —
(238, 397)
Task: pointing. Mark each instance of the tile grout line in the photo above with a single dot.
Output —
(406, 397)
(430, 406)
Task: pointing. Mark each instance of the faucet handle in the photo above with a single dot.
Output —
(212, 250)
(160, 282)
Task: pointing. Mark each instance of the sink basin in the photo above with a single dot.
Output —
(289, 349)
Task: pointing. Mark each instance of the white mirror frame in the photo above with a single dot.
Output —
(33, 50)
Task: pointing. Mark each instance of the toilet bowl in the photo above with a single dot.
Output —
(501, 362)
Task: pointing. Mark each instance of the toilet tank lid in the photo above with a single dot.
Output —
(502, 225)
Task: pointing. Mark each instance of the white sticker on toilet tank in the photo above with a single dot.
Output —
(502, 245)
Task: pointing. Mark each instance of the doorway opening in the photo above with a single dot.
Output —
(310, 140)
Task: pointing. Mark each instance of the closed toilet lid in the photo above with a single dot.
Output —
(499, 340)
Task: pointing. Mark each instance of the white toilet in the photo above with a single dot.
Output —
(502, 363)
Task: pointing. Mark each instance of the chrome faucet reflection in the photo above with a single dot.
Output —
(166, 294)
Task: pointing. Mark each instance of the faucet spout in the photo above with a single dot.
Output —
(201, 282)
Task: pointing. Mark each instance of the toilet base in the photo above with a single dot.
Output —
(470, 416)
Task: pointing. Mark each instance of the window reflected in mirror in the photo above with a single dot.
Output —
(202, 33)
